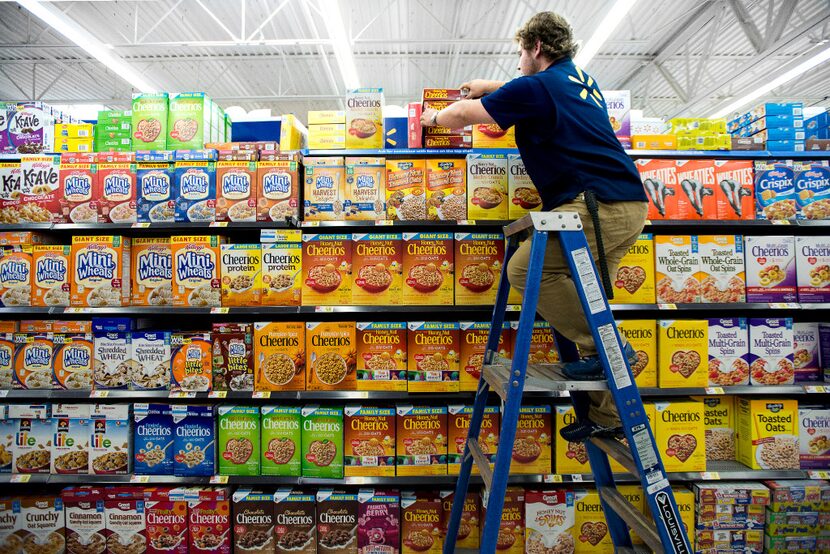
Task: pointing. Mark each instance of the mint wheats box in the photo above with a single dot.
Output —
(194, 441)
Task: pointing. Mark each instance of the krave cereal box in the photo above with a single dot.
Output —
(770, 269)
(381, 355)
(277, 190)
(236, 192)
(152, 268)
(40, 201)
(156, 193)
(634, 282)
(117, 192)
(768, 433)
(446, 189)
(681, 435)
(16, 275)
(196, 271)
(282, 262)
(433, 356)
(722, 275)
(377, 259)
(683, 350)
(728, 352)
(79, 201)
(774, 190)
(735, 189)
(677, 266)
(365, 189)
(405, 190)
(771, 351)
(812, 258)
(195, 182)
(241, 274)
(51, 271)
(100, 271)
(660, 183)
(812, 189)
(325, 183)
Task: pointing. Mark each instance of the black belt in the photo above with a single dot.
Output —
(593, 210)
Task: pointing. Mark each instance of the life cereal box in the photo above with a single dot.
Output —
(236, 191)
(241, 274)
(79, 201)
(51, 271)
(681, 435)
(195, 182)
(324, 190)
(191, 362)
(774, 190)
(549, 521)
(33, 360)
(641, 334)
(677, 266)
(683, 349)
(524, 197)
(152, 268)
(100, 271)
(364, 118)
(279, 356)
(277, 189)
(332, 355)
(365, 189)
(474, 335)
(532, 453)
(470, 527)
(117, 192)
(369, 441)
(771, 351)
(377, 259)
(421, 438)
(734, 189)
(16, 275)
(478, 261)
(446, 189)
(487, 185)
(282, 261)
(634, 282)
(459, 426)
(196, 271)
(428, 269)
(722, 275)
(806, 352)
(511, 535)
(814, 439)
(768, 433)
(381, 356)
(728, 352)
(73, 359)
(812, 189)
(40, 201)
(156, 202)
(109, 448)
(770, 269)
(433, 352)
(812, 259)
(327, 270)
(405, 190)
(695, 190)
(660, 183)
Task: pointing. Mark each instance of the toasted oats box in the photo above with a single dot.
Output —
(641, 334)
(33, 361)
(195, 182)
(405, 190)
(770, 269)
(446, 189)
(487, 185)
(512, 525)
(377, 259)
(433, 356)
(327, 269)
(241, 274)
(474, 336)
(79, 198)
(814, 437)
(549, 520)
(70, 445)
(152, 272)
(324, 189)
(677, 266)
(805, 352)
(113, 361)
(117, 192)
(16, 275)
(692, 204)
(72, 361)
(51, 270)
(524, 198)
(768, 433)
(156, 193)
(774, 190)
(735, 189)
(332, 355)
(236, 191)
(196, 271)
(100, 271)
(322, 454)
(278, 184)
(681, 435)
(191, 362)
(364, 118)
(728, 352)
(459, 425)
(233, 356)
(532, 452)
(282, 262)
(634, 282)
(771, 351)
(812, 258)
(151, 360)
(422, 513)
(381, 356)
(365, 189)
(683, 348)
(369, 441)
(478, 259)
(428, 266)
(279, 356)
(109, 446)
(421, 438)
(812, 189)
(281, 440)
(722, 275)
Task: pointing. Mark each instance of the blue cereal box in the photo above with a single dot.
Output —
(156, 193)
(195, 182)
(812, 188)
(774, 190)
(194, 440)
(153, 439)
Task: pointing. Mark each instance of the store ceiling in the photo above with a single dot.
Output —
(678, 57)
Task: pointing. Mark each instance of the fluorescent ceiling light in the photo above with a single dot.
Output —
(803, 67)
(340, 42)
(610, 22)
(80, 36)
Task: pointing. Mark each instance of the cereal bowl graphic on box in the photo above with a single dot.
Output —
(98, 267)
(117, 184)
(196, 186)
(15, 275)
(812, 188)
(79, 183)
(50, 275)
(774, 190)
(156, 193)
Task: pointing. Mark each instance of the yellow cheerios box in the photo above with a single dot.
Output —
(681, 435)
(641, 334)
(634, 282)
(768, 433)
(152, 272)
(51, 271)
(683, 353)
(282, 263)
(100, 271)
(572, 457)
(241, 274)
(590, 530)
(634, 494)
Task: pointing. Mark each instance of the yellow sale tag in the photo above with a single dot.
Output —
(514, 308)
(143, 225)
(466, 222)
(780, 221)
(99, 394)
(261, 394)
(667, 306)
(715, 390)
(814, 389)
(311, 224)
(383, 222)
(648, 222)
(140, 479)
(20, 478)
(710, 476)
(324, 309)
(218, 223)
(220, 310)
(818, 474)
(182, 394)
(218, 394)
(219, 480)
(74, 310)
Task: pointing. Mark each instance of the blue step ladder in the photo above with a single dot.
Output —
(511, 378)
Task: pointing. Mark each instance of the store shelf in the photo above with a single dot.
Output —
(411, 152)
(730, 154)
(431, 225)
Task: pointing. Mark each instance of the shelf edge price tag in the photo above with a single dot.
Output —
(710, 476)
(576, 478)
(220, 310)
(311, 224)
(780, 221)
(715, 390)
(261, 394)
(74, 310)
(514, 308)
(666, 306)
(219, 480)
(143, 225)
(218, 224)
(99, 394)
(20, 478)
(382, 222)
(218, 394)
(819, 474)
(4, 393)
(140, 479)
(324, 309)
(555, 478)
(814, 389)
(182, 394)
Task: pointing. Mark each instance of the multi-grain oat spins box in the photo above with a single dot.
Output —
(152, 272)
(770, 269)
(100, 271)
(16, 275)
(683, 349)
(51, 272)
(478, 261)
(196, 271)
(487, 185)
(728, 352)
(812, 257)
(282, 262)
(806, 352)
(381, 355)
(722, 276)
(433, 356)
(365, 189)
(681, 435)
(768, 434)
(327, 269)
(734, 189)
(634, 282)
(377, 259)
(771, 351)
(774, 190)
(677, 266)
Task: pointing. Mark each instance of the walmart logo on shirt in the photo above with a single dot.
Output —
(587, 83)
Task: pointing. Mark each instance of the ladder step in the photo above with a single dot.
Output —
(538, 378)
(632, 550)
(618, 451)
(482, 463)
(496, 376)
(635, 519)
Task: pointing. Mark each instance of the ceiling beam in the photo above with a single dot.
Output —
(782, 19)
(747, 25)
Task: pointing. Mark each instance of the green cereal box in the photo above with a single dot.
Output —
(150, 121)
(188, 121)
(322, 454)
(281, 441)
(238, 440)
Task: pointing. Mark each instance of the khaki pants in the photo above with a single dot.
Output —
(621, 223)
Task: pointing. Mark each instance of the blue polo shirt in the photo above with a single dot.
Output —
(564, 136)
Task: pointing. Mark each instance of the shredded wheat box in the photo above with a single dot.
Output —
(381, 355)
(152, 272)
(100, 271)
(681, 435)
(812, 258)
(728, 352)
(634, 282)
(768, 433)
(641, 334)
(677, 266)
(771, 351)
(683, 349)
(433, 356)
(722, 275)
(814, 437)
(421, 437)
(487, 186)
(770, 269)
(459, 425)
(805, 352)
(51, 271)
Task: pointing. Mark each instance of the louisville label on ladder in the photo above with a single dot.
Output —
(509, 379)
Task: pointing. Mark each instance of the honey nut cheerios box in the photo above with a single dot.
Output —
(282, 262)
(196, 271)
(532, 452)
(324, 189)
(365, 189)
(191, 362)
(428, 267)
(278, 184)
(364, 118)
(524, 198)
(16, 275)
(405, 190)
(511, 535)
(543, 347)
(771, 351)
(327, 269)
(377, 259)
(421, 437)
(683, 350)
(381, 355)
(421, 515)
(734, 189)
(474, 335)
(279, 356)
(768, 433)
(470, 517)
(487, 186)
(812, 189)
(681, 435)
(241, 274)
(117, 192)
(770, 269)
(51, 271)
(677, 263)
(459, 425)
(152, 272)
(694, 177)
(659, 178)
(572, 457)
(100, 271)
(774, 190)
(369, 441)
(236, 191)
(634, 282)
(641, 334)
(332, 355)
(722, 276)
(79, 198)
(812, 258)
(446, 189)
(432, 351)
(478, 262)
(728, 352)
(719, 420)
(590, 528)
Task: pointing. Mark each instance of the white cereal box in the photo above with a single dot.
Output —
(774, 190)
(770, 269)
(722, 276)
(812, 189)
(805, 352)
(771, 351)
(70, 446)
(364, 118)
(812, 258)
(728, 352)
(324, 188)
(814, 440)
(109, 448)
(34, 431)
(113, 361)
(549, 521)
(677, 265)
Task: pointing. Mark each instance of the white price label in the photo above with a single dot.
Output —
(715, 390)
(324, 309)
(219, 480)
(220, 310)
(514, 308)
(218, 394)
(780, 221)
(666, 306)
(261, 394)
(819, 474)
(20, 478)
(143, 225)
(576, 478)
(4, 393)
(815, 389)
(311, 224)
(74, 310)
(99, 394)
(555, 478)
(182, 394)
(382, 222)
(710, 476)
(218, 223)
(140, 479)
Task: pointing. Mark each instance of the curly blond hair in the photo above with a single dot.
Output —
(553, 32)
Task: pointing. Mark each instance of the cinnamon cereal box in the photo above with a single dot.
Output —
(590, 529)
(696, 184)
(478, 262)
(152, 268)
(365, 189)
(446, 189)
(722, 275)
(487, 185)
(405, 194)
(549, 521)
(325, 184)
(79, 198)
(770, 269)
(236, 191)
(192, 362)
(40, 201)
(377, 259)
(511, 537)
(422, 515)
(85, 525)
(421, 439)
(282, 261)
(677, 266)
(634, 282)
(532, 453)
(279, 356)
(16, 275)
(683, 349)
(474, 335)
(771, 351)
(33, 361)
(681, 435)
(459, 426)
(433, 356)
(100, 271)
(332, 355)
(660, 183)
(719, 419)
(156, 193)
(241, 274)
(806, 352)
(364, 118)
(774, 190)
(768, 433)
(196, 271)
(278, 194)
(327, 269)
(51, 270)
(117, 192)
(73, 359)
(125, 519)
(469, 529)
(728, 352)
(641, 334)
(381, 356)
(812, 258)
(524, 198)
(735, 189)
(369, 441)
(428, 269)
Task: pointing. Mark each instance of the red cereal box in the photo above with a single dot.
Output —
(40, 201)
(116, 191)
(696, 190)
(660, 182)
(167, 525)
(79, 184)
(209, 514)
(735, 189)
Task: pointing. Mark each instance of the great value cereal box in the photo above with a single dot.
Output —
(381, 355)
(278, 185)
(196, 271)
(194, 442)
(109, 446)
(327, 269)
(236, 191)
(433, 356)
(85, 521)
(681, 435)
(549, 520)
(768, 433)
(365, 189)
(113, 362)
(660, 183)
(51, 271)
(43, 523)
(814, 438)
(695, 189)
(100, 271)
(719, 418)
(428, 269)
(771, 351)
(322, 453)
(16, 275)
(364, 118)
(806, 352)
(152, 272)
(677, 266)
(634, 282)
(125, 519)
(369, 441)
(722, 275)
(683, 350)
(281, 440)
(332, 355)
(421, 437)
(191, 361)
(774, 190)
(524, 197)
(641, 334)
(734, 189)
(478, 262)
(156, 193)
(33, 360)
(459, 426)
(279, 356)
(117, 192)
(812, 189)
(73, 361)
(79, 198)
(325, 184)
(241, 274)
(405, 190)
(728, 352)
(195, 182)
(446, 189)
(151, 357)
(282, 262)
(770, 269)
(238, 440)
(487, 186)
(377, 259)
(812, 258)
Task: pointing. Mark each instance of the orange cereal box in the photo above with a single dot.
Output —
(377, 259)
(7, 360)
(532, 452)
(428, 269)
(696, 194)
(73, 358)
(196, 271)
(117, 192)
(543, 349)
(332, 356)
(681, 435)
(241, 274)
(33, 360)
(100, 271)
(16, 275)
(524, 197)
(369, 441)
(511, 537)
(459, 425)
(634, 282)
(324, 189)
(405, 183)
(282, 262)
(478, 261)
(381, 356)
(278, 194)
(735, 189)
(722, 275)
(365, 190)
(279, 356)
(468, 531)
(433, 354)
(236, 191)
(446, 189)
(192, 362)
(421, 514)
(19, 238)
(474, 336)
(683, 347)
(51, 271)
(327, 270)
(152, 272)
(79, 201)
(421, 437)
(660, 183)
(641, 334)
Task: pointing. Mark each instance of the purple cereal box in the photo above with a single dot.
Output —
(31, 129)
(728, 352)
(771, 351)
(812, 255)
(379, 520)
(806, 352)
(5, 113)
(770, 269)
